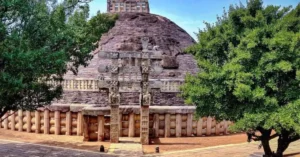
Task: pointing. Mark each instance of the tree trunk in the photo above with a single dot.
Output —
(283, 143)
(2, 113)
(265, 142)
(267, 149)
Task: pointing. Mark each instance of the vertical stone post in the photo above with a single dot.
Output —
(131, 125)
(144, 125)
(68, 123)
(178, 125)
(156, 124)
(114, 124)
(37, 122)
(46, 122)
(57, 122)
(225, 127)
(5, 121)
(100, 128)
(145, 96)
(208, 126)
(79, 123)
(120, 124)
(217, 131)
(199, 127)
(86, 128)
(189, 128)
(20, 115)
(167, 125)
(114, 99)
(13, 120)
(28, 121)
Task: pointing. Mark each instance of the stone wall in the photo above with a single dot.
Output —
(167, 99)
(80, 97)
(164, 122)
(130, 99)
(100, 99)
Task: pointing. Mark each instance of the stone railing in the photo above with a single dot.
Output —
(171, 85)
(164, 121)
(92, 85)
(78, 85)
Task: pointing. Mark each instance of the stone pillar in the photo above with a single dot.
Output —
(13, 120)
(120, 124)
(225, 127)
(167, 125)
(101, 128)
(178, 125)
(199, 127)
(28, 121)
(86, 128)
(114, 99)
(20, 115)
(217, 132)
(131, 125)
(46, 122)
(144, 132)
(5, 121)
(79, 123)
(68, 123)
(114, 124)
(57, 122)
(156, 124)
(189, 128)
(145, 96)
(208, 126)
(37, 122)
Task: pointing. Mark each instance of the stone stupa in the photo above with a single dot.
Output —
(130, 87)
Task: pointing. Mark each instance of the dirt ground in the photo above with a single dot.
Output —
(75, 142)
(165, 144)
(173, 144)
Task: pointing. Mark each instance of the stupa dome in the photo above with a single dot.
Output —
(164, 35)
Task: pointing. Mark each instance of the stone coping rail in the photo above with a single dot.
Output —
(126, 85)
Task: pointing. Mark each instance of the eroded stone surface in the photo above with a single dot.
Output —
(164, 35)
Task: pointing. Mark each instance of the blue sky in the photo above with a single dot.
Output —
(190, 14)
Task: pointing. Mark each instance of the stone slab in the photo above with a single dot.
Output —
(95, 111)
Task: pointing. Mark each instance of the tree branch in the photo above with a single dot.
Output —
(294, 138)
(2, 114)
(273, 136)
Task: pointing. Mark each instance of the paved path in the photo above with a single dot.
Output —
(127, 147)
(21, 149)
(133, 149)
(234, 150)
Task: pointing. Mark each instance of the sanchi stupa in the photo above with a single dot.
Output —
(130, 88)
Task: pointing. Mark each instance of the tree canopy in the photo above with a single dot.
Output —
(249, 64)
(40, 41)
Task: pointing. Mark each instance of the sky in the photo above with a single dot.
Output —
(190, 14)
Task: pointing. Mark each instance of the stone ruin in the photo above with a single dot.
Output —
(129, 89)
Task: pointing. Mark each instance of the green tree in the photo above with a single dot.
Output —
(39, 42)
(249, 64)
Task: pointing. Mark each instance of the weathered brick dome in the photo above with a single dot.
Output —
(164, 35)
(97, 113)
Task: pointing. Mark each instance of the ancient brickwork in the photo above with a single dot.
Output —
(126, 36)
(135, 72)
(80, 97)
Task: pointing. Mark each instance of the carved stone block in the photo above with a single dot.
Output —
(114, 98)
(169, 62)
(108, 55)
(103, 69)
(131, 69)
